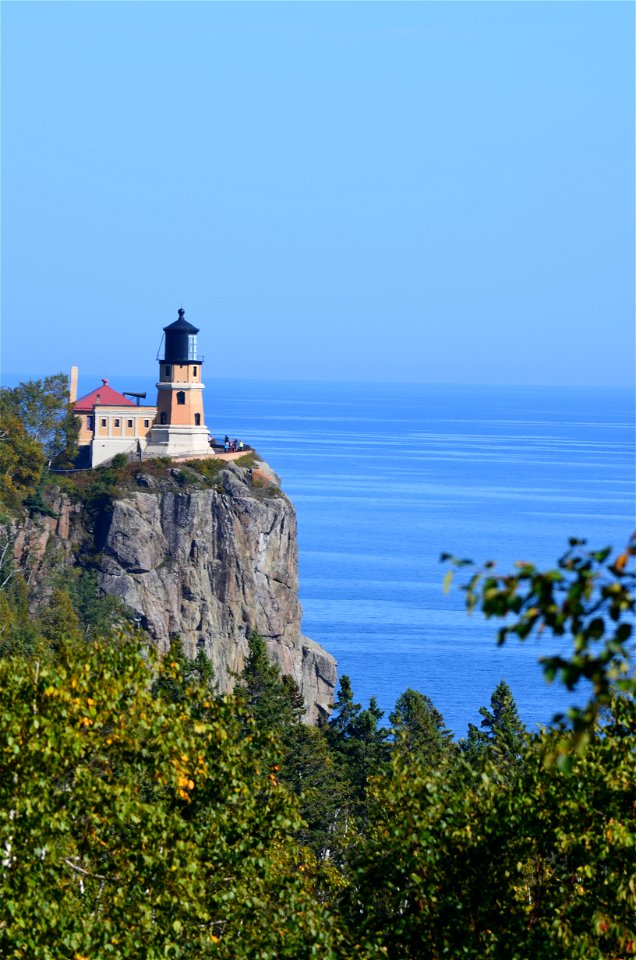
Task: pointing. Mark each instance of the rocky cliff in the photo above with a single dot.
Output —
(207, 561)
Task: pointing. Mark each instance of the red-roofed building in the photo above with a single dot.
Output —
(103, 394)
(111, 423)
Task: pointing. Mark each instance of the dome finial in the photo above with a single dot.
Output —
(181, 313)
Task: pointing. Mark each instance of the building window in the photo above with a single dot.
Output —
(192, 347)
(130, 423)
(181, 397)
(89, 422)
(197, 419)
(146, 423)
(194, 371)
(117, 422)
(104, 422)
(163, 418)
(167, 371)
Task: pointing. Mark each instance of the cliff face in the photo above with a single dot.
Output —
(210, 565)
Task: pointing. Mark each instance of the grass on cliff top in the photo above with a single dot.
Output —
(109, 482)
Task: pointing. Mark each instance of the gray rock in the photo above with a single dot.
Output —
(208, 565)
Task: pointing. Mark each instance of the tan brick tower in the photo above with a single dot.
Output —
(179, 429)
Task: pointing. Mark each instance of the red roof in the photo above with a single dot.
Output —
(101, 395)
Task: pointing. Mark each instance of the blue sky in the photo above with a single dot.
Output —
(427, 192)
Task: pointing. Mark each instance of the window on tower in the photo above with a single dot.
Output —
(181, 397)
(194, 371)
(167, 371)
(192, 346)
(164, 417)
(197, 419)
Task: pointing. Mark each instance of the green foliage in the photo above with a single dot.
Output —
(274, 702)
(589, 597)
(419, 728)
(43, 410)
(144, 814)
(305, 762)
(97, 613)
(134, 826)
(119, 460)
(208, 470)
(248, 460)
(461, 864)
(179, 675)
(503, 739)
(360, 748)
(21, 457)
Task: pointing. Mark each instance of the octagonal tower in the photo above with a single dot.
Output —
(179, 428)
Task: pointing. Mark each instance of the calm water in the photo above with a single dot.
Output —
(386, 477)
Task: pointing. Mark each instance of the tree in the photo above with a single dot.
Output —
(21, 457)
(463, 862)
(359, 745)
(503, 738)
(134, 826)
(179, 676)
(43, 409)
(37, 428)
(419, 728)
(275, 702)
(588, 596)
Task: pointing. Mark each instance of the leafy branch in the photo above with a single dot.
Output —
(588, 596)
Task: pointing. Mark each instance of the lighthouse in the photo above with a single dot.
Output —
(179, 428)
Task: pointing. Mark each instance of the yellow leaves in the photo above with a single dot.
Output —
(621, 561)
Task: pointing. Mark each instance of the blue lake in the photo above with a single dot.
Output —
(386, 477)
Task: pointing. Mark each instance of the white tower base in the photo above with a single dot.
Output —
(177, 441)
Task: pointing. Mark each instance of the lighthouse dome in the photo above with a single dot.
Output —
(181, 341)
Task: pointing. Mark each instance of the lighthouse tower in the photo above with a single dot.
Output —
(179, 428)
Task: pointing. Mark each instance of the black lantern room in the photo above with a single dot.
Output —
(181, 341)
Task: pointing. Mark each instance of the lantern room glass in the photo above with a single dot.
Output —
(192, 347)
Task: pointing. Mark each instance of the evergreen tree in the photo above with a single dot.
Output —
(59, 622)
(503, 738)
(275, 702)
(310, 771)
(359, 744)
(419, 728)
(179, 676)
